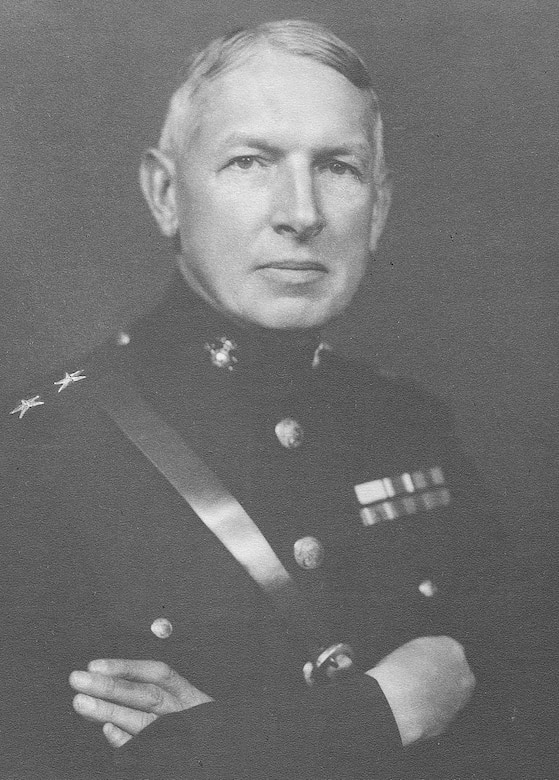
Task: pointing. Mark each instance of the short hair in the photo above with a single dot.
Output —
(294, 36)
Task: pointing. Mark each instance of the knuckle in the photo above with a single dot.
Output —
(147, 718)
(107, 710)
(155, 698)
(109, 685)
(453, 648)
(459, 650)
(169, 677)
(161, 670)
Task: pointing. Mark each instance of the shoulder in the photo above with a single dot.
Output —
(397, 398)
(54, 417)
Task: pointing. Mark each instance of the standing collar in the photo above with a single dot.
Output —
(185, 329)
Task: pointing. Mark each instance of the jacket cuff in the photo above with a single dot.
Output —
(345, 729)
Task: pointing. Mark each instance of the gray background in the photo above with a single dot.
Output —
(463, 291)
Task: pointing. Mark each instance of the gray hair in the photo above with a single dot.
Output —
(302, 38)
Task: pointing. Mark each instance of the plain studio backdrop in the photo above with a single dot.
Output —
(462, 293)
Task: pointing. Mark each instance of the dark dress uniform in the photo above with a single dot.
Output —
(358, 485)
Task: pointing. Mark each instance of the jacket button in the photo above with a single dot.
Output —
(309, 552)
(162, 628)
(289, 433)
(428, 588)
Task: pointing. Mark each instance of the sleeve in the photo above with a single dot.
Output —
(344, 729)
(493, 600)
(497, 608)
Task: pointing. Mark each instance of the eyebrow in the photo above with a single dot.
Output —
(242, 139)
(357, 148)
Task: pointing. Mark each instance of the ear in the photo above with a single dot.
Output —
(158, 183)
(380, 212)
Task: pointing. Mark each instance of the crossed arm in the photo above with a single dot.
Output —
(426, 683)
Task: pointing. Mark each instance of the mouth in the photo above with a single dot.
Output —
(293, 272)
(295, 265)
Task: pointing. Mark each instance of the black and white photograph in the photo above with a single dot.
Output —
(278, 382)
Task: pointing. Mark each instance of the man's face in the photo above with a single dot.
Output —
(274, 197)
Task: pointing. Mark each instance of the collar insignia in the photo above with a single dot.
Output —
(221, 353)
(317, 357)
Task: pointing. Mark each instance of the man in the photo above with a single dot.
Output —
(270, 177)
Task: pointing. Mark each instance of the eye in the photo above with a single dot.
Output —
(340, 168)
(243, 162)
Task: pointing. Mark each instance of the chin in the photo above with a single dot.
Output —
(297, 315)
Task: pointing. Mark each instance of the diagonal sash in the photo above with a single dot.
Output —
(223, 515)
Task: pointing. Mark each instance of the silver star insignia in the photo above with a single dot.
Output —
(69, 379)
(26, 404)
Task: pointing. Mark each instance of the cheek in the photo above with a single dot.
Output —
(349, 210)
(350, 238)
(219, 242)
(233, 216)
(241, 209)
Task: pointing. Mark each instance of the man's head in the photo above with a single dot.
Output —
(270, 168)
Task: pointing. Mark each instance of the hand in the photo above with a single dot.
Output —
(126, 696)
(427, 682)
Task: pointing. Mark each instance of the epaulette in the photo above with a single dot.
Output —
(55, 413)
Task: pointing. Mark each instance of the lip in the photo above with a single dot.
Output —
(293, 274)
(294, 265)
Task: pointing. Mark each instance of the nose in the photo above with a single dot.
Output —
(296, 209)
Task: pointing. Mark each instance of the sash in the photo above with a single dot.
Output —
(224, 516)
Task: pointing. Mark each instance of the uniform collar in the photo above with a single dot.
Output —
(185, 334)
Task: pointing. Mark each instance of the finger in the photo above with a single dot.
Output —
(155, 672)
(183, 693)
(115, 737)
(139, 696)
(99, 711)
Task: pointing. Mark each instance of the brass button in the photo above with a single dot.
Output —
(428, 589)
(289, 433)
(309, 552)
(162, 628)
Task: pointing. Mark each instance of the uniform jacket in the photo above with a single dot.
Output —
(99, 546)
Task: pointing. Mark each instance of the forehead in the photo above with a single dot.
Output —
(285, 97)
